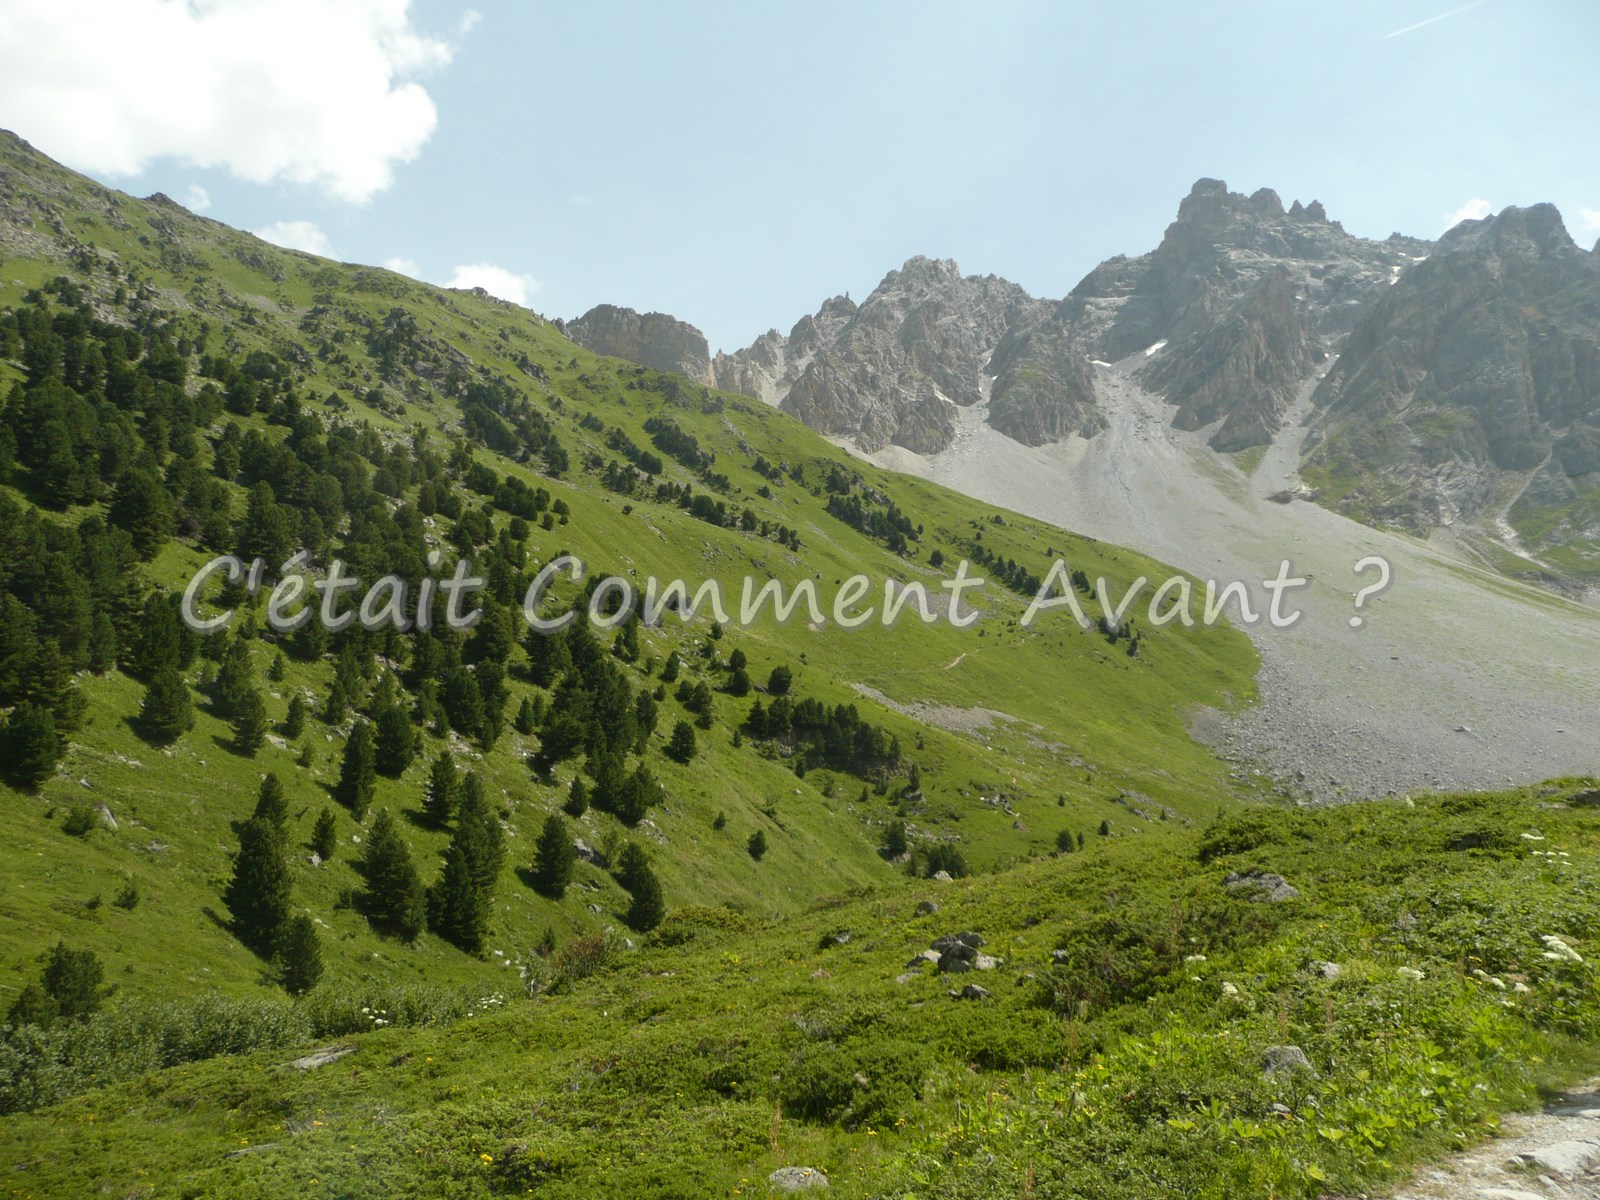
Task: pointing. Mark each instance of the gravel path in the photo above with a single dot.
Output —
(1551, 1155)
(1457, 678)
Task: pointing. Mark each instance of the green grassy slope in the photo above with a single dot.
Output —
(1074, 724)
(727, 1048)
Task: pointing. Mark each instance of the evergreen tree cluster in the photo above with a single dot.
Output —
(834, 737)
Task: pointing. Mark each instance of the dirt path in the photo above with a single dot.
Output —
(1550, 1155)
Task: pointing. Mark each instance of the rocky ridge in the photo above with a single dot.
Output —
(1472, 388)
(650, 339)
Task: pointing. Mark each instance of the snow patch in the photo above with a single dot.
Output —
(1153, 349)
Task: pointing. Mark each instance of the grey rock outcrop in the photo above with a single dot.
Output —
(926, 343)
(1474, 380)
(1236, 306)
(649, 339)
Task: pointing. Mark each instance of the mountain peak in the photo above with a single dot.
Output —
(922, 269)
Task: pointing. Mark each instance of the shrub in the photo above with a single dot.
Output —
(78, 821)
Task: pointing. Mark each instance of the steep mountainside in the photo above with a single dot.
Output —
(1235, 307)
(1470, 392)
(925, 344)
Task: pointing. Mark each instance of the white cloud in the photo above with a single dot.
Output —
(196, 199)
(469, 22)
(1473, 210)
(313, 92)
(497, 281)
(296, 235)
(1588, 222)
(403, 266)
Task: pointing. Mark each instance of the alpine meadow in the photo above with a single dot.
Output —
(450, 751)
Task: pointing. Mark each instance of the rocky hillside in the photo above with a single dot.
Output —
(925, 343)
(1470, 391)
(1236, 306)
(1461, 385)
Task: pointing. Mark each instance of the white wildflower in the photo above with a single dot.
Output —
(1559, 950)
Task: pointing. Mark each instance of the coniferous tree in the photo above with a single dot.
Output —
(165, 713)
(647, 907)
(738, 682)
(258, 894)
(669, 669)
(894, 839)
(68, 989)
(235, 678)
(30, 747)
(463, 703)
(779, 682)
(478, 829)
(333, 712)
(682, 745)
(294, 721)
(757, 845)
(264, 533)
(639, 792)
(439, 797)
(577, 802)
(158, 642)
(553, 859)
(141, 506)
(393, 898)
(357, 776)
(271, 803)
(324, 835)
(249, 723)
(394, 744)
(299, 955)
(526, 720)
(457, 909)
(632, 863)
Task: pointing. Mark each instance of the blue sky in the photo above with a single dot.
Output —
(735, 164)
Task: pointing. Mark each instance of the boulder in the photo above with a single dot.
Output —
(321, 1058)
(796, 1179)
(1570, 1159)
(971, 992)
(1261, 885)
(1285, 1061)
(589, 854)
